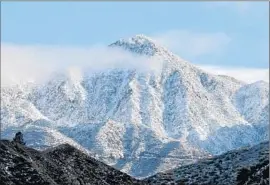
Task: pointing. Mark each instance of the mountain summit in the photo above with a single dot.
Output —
(141, 122)
(141, 44)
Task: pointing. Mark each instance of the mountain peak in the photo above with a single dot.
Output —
(140, 44)
(142, 39)
(138, 39)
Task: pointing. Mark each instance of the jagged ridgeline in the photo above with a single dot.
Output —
(64, 164)
(140, 122)
(244, 166)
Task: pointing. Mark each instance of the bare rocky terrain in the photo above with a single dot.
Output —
(64, 164)
(245, 166)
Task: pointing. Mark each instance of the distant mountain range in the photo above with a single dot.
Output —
(140, 122)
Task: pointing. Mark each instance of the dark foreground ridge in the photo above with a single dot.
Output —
(20, 165)
(246, 166)
(66, 165)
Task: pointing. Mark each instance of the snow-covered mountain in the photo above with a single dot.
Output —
(140, 122)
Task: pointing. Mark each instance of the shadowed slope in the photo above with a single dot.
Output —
(243, 166)
(63, 164)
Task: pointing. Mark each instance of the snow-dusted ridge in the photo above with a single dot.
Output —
(141, 122)
(140, 44)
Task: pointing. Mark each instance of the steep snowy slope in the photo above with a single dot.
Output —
(252, 102)
(143, 122)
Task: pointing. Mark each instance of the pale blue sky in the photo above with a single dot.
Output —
(228, 34)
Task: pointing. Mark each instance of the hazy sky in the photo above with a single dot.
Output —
(221, 34)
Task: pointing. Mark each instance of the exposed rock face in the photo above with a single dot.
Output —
(239, 167)
(20, 165)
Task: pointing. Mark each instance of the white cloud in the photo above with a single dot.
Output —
(192, 44)
(21, 63)
(248, 75)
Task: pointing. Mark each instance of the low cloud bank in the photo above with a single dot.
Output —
(36, 63)
(248, 75)
(20, 63)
